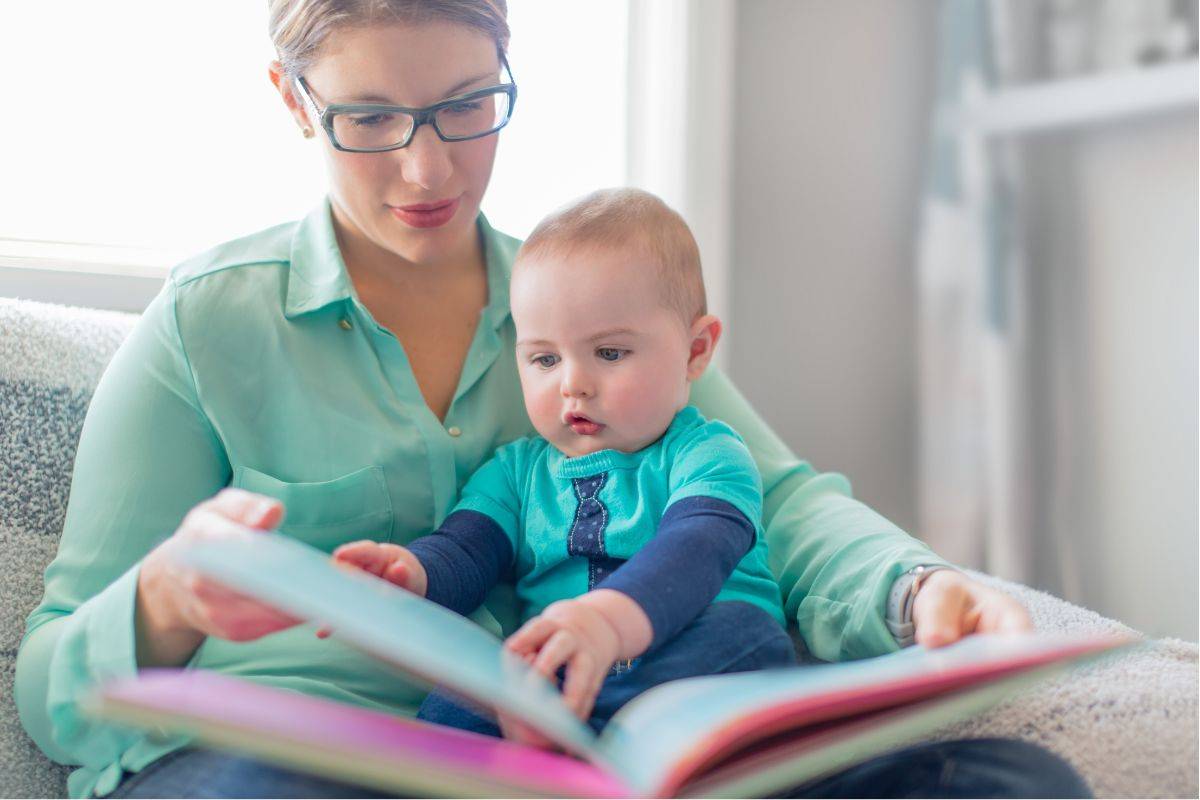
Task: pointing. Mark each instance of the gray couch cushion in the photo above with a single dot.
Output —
(50, 360)
(1129, 725)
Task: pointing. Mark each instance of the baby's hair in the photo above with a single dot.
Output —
(636, 222)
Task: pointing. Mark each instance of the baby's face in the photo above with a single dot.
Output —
(603, 361)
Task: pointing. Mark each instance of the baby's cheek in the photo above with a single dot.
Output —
(541, 405)
(648, 401)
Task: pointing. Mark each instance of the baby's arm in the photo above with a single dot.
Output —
(699, 543)
(455, 566)
(646, 601)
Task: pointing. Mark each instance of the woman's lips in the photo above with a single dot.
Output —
(583, 426)
(427, 215)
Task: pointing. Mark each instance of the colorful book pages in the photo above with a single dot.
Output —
(732, 735)
(676, 731)
(396, 626)
(690, 735)
(346, 742)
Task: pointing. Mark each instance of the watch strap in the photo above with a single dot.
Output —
(900, 601)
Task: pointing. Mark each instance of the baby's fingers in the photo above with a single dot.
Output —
(555, 652)
(531, 636)
(366, 555)
(398, 573)
(582, 684)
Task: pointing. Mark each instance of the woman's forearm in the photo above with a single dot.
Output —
(834, 558)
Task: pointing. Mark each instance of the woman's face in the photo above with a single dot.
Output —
(418, 202)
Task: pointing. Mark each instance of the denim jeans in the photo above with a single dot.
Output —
(730, 636)
(973, 768)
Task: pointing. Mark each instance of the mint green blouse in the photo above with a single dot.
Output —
(257, 366)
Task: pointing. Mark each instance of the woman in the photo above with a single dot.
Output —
(351, 371)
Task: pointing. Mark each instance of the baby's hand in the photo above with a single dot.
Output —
(391, 562)
(574, 634)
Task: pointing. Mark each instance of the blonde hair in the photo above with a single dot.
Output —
(299, 28)
(636, 222)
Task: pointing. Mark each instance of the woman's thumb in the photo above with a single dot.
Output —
(266, 515)
(249, 509)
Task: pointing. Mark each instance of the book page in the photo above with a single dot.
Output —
(365, 746)
(394, 625)
(675, 731)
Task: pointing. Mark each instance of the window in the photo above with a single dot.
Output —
(144, 131)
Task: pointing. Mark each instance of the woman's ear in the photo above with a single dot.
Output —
(287, 90)
(705, 333)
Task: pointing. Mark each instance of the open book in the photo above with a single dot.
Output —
(744, 734)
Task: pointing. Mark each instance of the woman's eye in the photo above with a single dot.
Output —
(545, 362)
(371, 120)
(611, 353)
(466, 107)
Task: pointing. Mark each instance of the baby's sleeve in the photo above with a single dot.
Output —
(716, 464)
(712, 520)
(474, 546)
(494, 489)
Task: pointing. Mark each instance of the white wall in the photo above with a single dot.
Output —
(832, 102)
(1117, 239)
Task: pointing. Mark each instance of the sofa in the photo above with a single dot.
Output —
(1128, 723)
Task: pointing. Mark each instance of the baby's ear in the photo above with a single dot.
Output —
(705, 333)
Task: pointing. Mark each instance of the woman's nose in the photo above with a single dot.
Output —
(426, 160)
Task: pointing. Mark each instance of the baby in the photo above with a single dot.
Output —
(632, 523)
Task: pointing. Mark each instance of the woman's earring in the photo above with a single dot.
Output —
(307, 132)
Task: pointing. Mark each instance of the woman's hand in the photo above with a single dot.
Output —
(178, 607)
(949, 606)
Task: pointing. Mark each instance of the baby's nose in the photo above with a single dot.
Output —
(575, 383)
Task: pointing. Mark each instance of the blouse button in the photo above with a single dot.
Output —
(344, 324)
(454, 431)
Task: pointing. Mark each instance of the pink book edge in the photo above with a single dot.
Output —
(397, 752)
(764, 722)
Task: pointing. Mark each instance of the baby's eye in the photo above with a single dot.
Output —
(611, 353)
(545, 361)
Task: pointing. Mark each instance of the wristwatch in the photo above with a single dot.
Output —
(900, 602)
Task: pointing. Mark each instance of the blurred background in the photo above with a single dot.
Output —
(954, 243)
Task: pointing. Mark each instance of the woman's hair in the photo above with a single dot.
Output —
(299, 28)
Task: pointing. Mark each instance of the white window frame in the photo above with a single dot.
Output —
(95, 276)
(680, 131)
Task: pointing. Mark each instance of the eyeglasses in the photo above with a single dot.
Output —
(374, 128)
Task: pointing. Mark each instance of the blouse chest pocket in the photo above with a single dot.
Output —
(326, 514)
